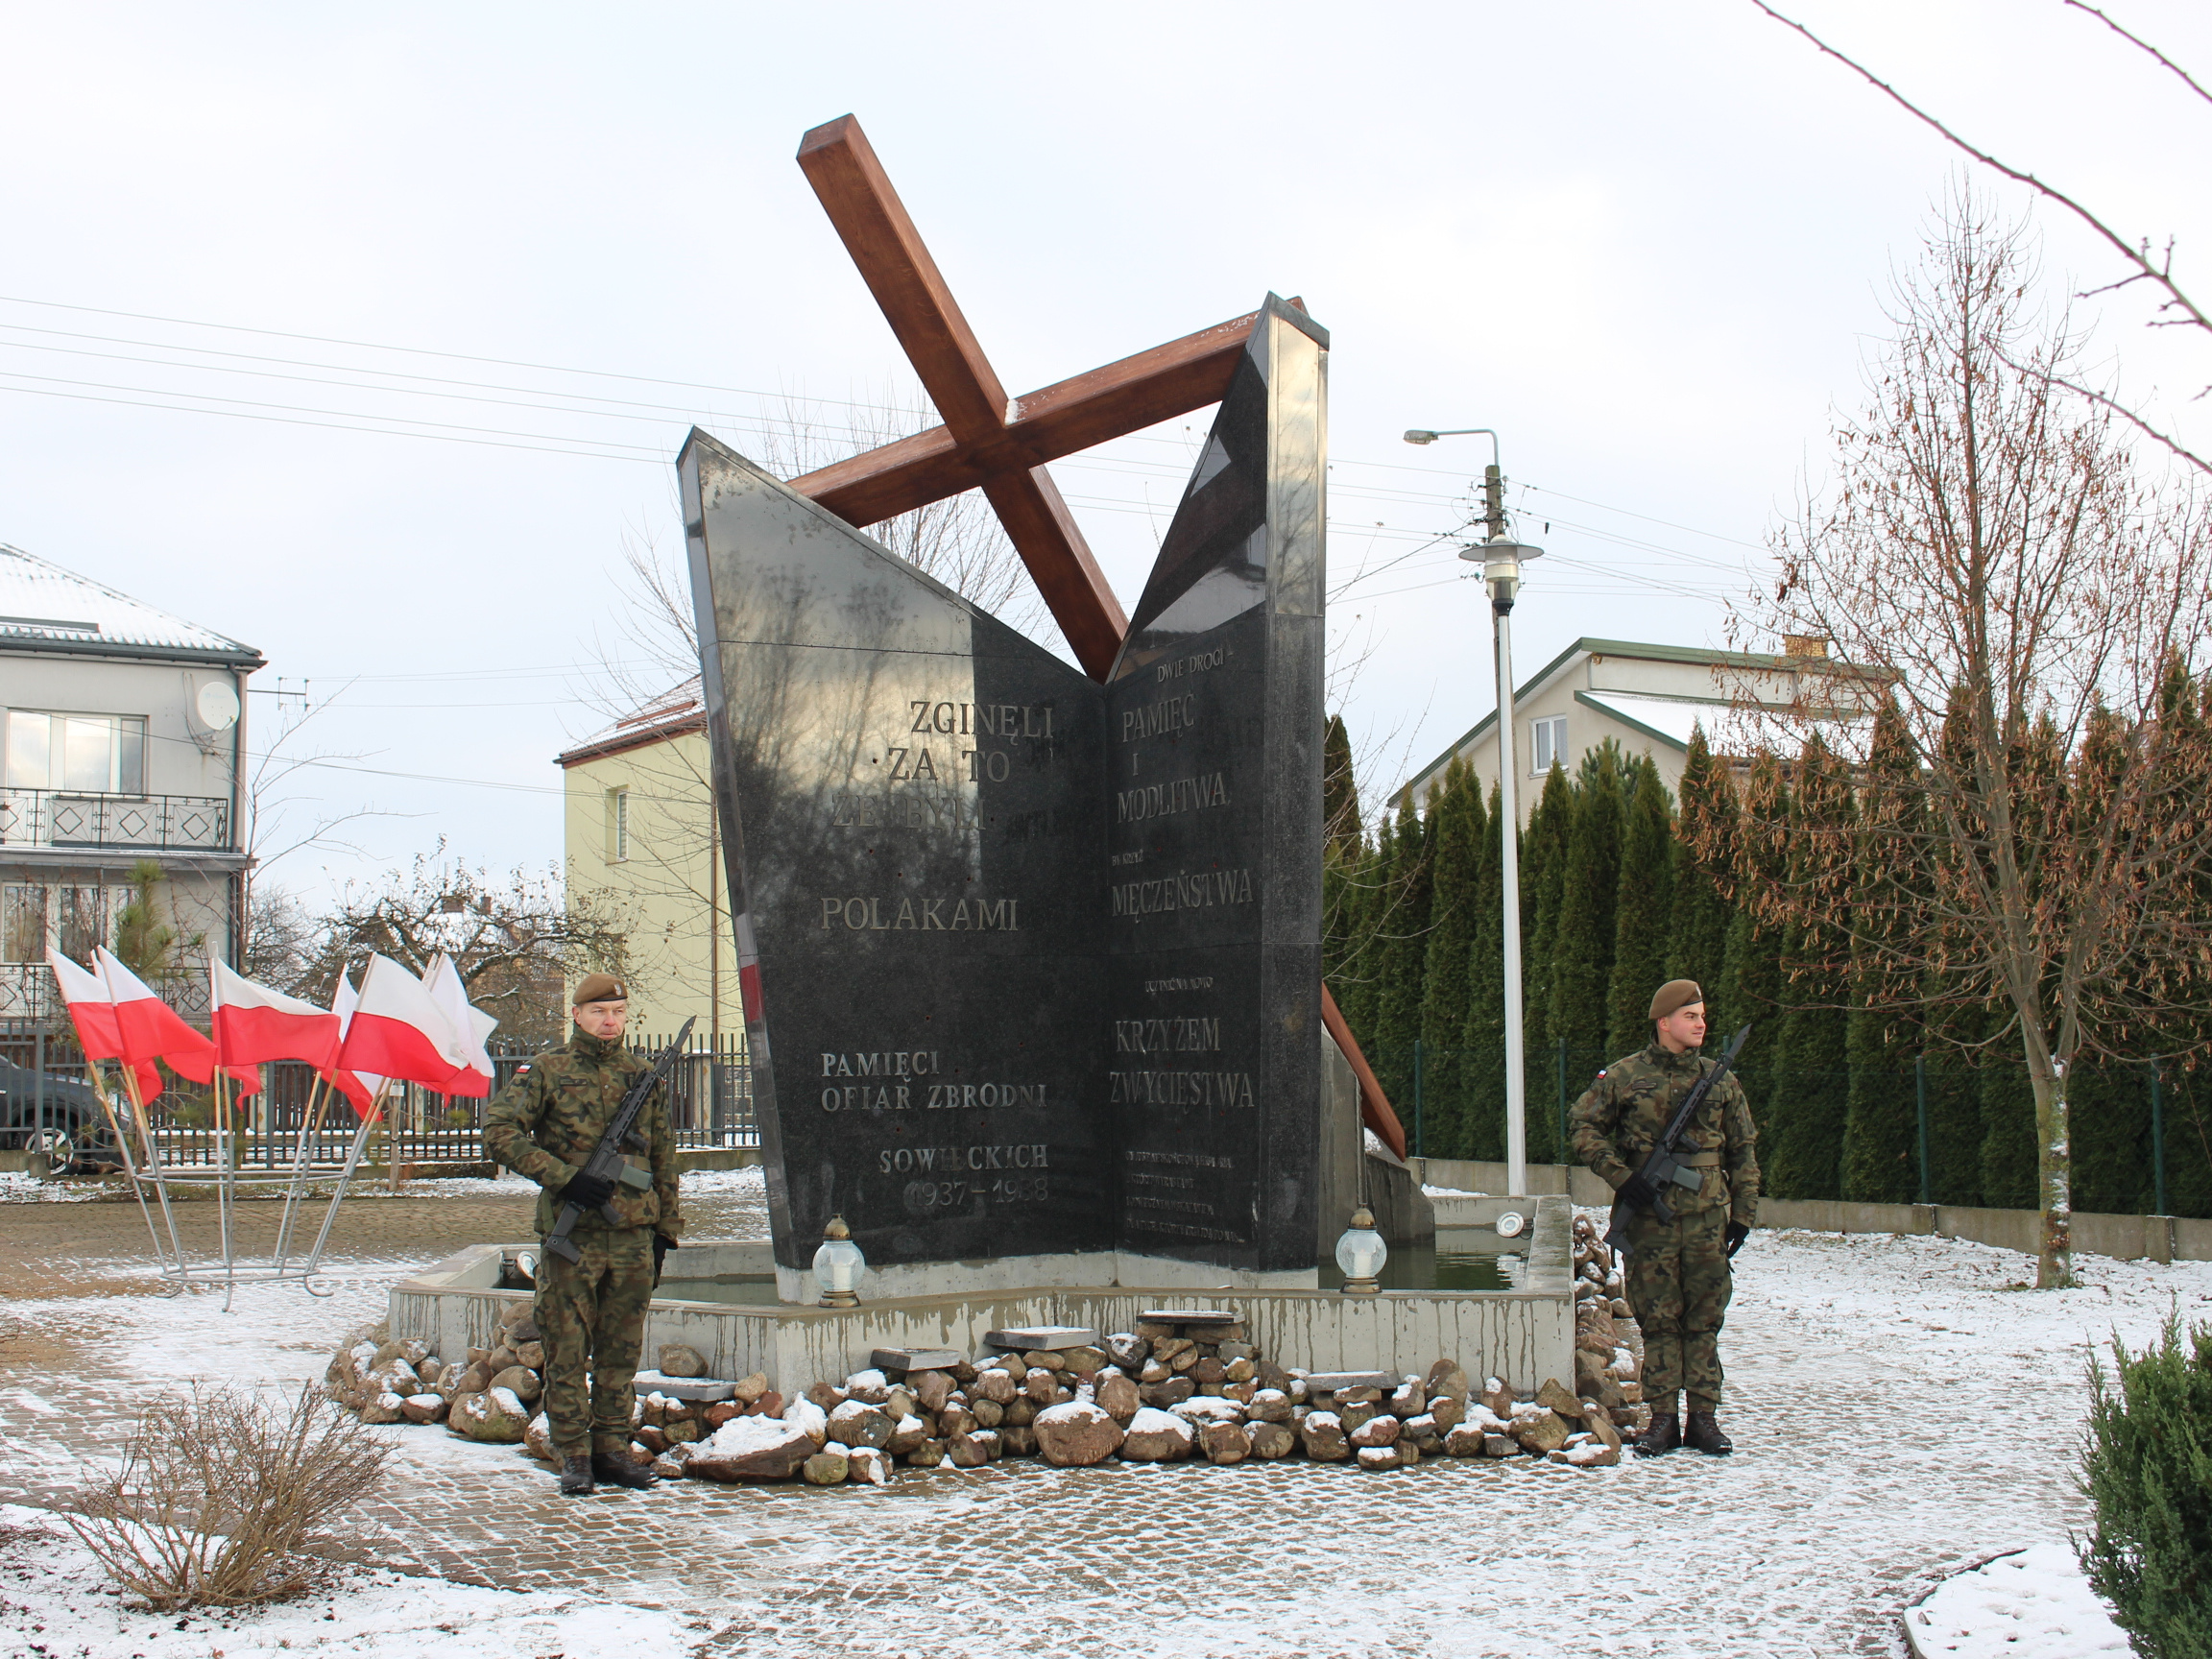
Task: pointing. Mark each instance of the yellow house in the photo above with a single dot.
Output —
(640, 828)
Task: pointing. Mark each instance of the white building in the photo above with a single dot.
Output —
(124, 731)
(1647, 698)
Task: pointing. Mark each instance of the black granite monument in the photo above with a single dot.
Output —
(1031, 964)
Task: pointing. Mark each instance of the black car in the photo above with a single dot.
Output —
(72, 1115)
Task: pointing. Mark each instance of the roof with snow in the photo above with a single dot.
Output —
(45, 608)
(671, 714)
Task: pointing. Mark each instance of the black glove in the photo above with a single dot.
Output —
(1737, 1233)
(586, 1191)
(661, 1245)
(1636, 1192)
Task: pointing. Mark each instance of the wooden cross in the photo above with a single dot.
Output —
(1000, 445)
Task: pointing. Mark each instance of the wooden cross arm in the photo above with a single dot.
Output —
(1042, 426)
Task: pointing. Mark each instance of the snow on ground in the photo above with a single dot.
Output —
(17, 1187)
(754, 1179)
(2033, 1604)
(56, 1599)
(1452, 1192)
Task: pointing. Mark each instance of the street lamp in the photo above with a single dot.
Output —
(1502, 558)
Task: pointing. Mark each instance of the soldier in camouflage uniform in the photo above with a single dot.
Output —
(1678, 1278)
(590, 1313)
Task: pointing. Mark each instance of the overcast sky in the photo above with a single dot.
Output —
(1648, 243)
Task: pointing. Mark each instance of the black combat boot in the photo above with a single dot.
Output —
(1705, 1434)
(617, 1470)
(1663, 1436)
(575, 1475)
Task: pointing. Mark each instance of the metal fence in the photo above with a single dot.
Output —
(710, 1104)
(1937, 1130)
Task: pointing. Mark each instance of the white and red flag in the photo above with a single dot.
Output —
(471, 1023)
(399, 1031)
(253, 1024)
(92, 1011)
(146, 1028)
(358, 1087)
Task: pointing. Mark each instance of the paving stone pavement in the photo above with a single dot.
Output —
(1898, 1410)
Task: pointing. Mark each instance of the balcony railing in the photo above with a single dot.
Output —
(151, 823)
(28, 994)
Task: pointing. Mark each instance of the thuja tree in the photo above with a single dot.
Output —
(1589, 896)
(1701, 884)
(1643, 912)
(1811, 1082)
(1991, 543)
(1880, 1119)
(1457, 828)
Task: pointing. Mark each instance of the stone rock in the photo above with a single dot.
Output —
(684, 1433)
(994, 1385)
(1407, 1400)
(474, 1379)
(1378, 1431)
(1086, 1360)
(423, 1407)
(1600, 1424)
(856, 1423)
(769, 1404)
(1127, 1350)
(1631, 1393)
(1554, 1397)
(1043, 1360)
(1023, 1411)
(1541, 1432)
(1169, 1349)
(1225, 1442)
(988, 1412)
(751, 1448)
(1202, 1410)
(906, 1433)
(1593, 1455)
(1210, 1370)
(828, 1467)
(1041, 1339)
(1156, 1436)
(537, 1440)
(1410, 1452)
(869, 1387)
(865, 1466)
(520, 1380)
(1172, 1392)
(805, 1415)
(1079, 1433)
(1270, 1375)
(1236, 1371)
(682, 1360)
(1448, 1409)
(531, 1354)
(929, 1455)
(1154, 1371)
(477, 1356)
(653, 1439)
(1268, 1406)
(383, 1407)
(666, 1469)
(1186, 1362)
(1341, 1383)
(954, 1420)
(500, 1357)
(1018, 1440)
(1360, 1397)
(1497, 1398)
(1270, 1441)
(1445, 1378)
(1378, 1457)
(747, 1389)
(1040, 1386)
(1117, 1398)
(1356, 1412)
(1324, 1437)
(931, 1390)
(1422, 1431)
(1463, 1440)
(828, 1396)
(973, 1449)
(1499, 1446)
(495, 1416)
(719, 1413)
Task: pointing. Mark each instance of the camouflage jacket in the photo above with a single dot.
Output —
(547, 1120)
(1621, 1115)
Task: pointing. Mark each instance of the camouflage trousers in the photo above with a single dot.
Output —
(1679, 1285)
(591, 1317)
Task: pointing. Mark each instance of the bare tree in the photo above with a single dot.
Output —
(2142, 262)
(512, 938)
(2042, 602)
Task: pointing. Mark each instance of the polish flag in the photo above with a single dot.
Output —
(473, 1077)
(147, 1028)
(397, 1031)
(358, 1087)
(93, 1013)
(253, 1023)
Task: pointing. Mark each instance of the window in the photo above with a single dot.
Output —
(23, 922)
(84, 754)
(1551, 746)
(618, 825)
(80, 921)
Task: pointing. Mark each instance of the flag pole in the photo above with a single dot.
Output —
(123, 1147)
(311, 1124)
(368, 1122)
(153, 1165)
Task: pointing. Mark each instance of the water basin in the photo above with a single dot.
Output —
(1462, 1259)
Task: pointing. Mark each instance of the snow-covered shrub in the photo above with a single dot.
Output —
(2147, 1468)
(223, 1493)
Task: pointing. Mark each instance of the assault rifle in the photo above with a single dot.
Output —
(1661, 1166)
(608, 1161)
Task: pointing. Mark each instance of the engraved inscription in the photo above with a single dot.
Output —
(1199, 794)
(1182, 1089)
(1168, 1036)
(929, 915)
(1183, 892)
(1169, 714)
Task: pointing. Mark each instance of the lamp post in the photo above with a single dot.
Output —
(1502, 558)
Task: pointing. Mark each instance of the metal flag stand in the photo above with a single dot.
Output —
(151, 1178)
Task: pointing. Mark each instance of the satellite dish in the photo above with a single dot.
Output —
(218, 705)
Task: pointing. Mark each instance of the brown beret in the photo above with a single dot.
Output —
(1671, 998)
(603, 988)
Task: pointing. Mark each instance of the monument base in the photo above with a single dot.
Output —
(1088, 1269)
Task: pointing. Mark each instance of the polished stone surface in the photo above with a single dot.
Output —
(1031, 965)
